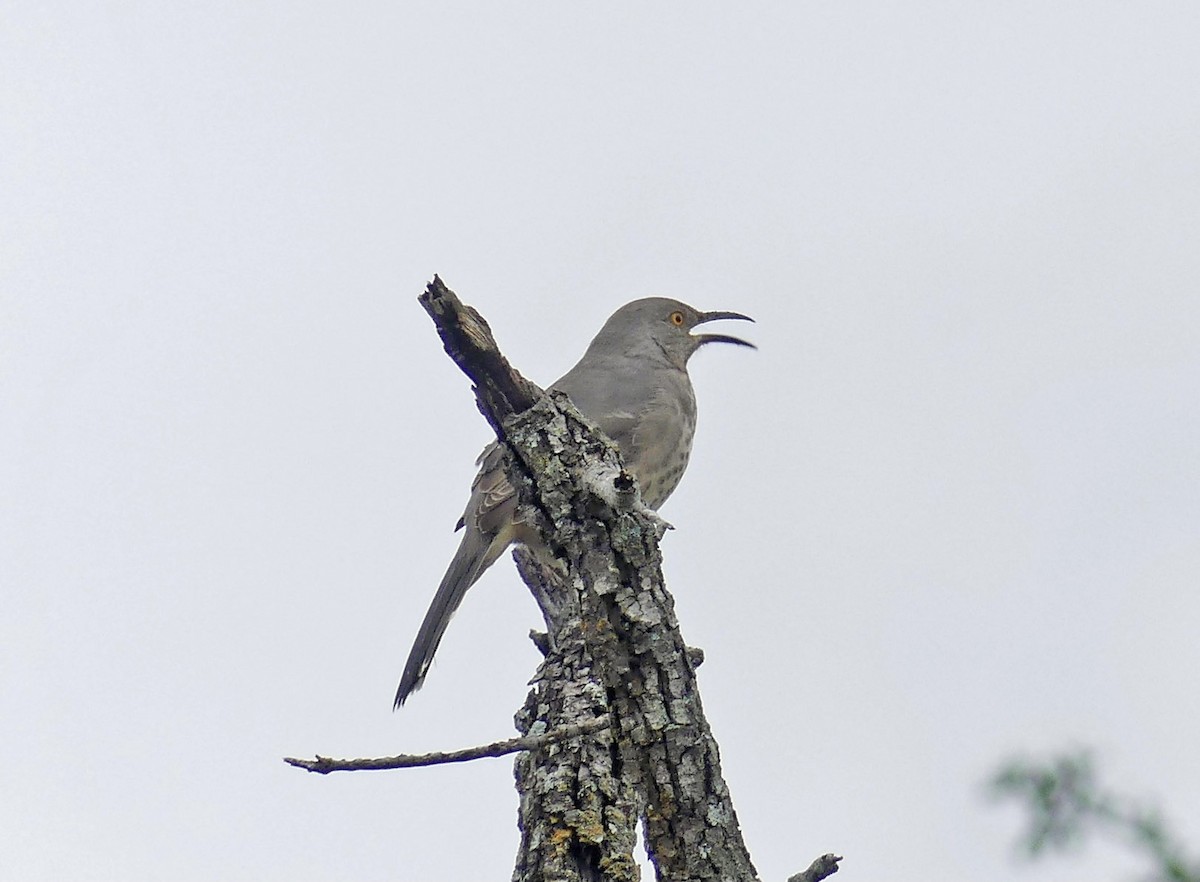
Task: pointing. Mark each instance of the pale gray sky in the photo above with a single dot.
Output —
(949, 510)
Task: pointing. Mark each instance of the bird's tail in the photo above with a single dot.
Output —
(476, 552)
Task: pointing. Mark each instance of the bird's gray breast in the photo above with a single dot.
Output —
(650, 411)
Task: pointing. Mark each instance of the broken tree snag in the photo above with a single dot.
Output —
(500, 390)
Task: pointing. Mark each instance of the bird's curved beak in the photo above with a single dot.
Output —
(718, 315)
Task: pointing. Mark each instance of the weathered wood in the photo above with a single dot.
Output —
(614, 648)
(467, 338)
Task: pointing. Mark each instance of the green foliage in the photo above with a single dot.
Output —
(1065, 802)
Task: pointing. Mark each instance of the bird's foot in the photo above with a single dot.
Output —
(661, 524)
(619, 489)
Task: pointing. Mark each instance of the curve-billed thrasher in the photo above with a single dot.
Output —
(633, 383)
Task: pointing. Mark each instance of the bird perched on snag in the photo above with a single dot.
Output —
(633, 383)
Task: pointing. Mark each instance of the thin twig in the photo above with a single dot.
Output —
(324, 765)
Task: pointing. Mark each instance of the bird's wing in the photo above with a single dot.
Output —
(493, 505)
(493, 502)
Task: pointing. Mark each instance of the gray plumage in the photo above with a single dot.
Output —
(633, 383)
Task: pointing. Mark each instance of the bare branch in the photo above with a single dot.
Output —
(324, 765)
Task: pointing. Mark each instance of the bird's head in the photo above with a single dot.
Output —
(660, 324)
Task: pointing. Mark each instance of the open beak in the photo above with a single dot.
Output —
(721, 338)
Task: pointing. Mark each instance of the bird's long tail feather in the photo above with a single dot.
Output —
(474, 555)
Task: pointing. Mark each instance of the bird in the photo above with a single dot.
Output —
(633, 383)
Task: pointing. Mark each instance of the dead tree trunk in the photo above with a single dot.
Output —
(614, 648)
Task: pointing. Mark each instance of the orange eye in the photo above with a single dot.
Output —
(677, 318)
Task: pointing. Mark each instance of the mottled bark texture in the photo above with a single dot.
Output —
(614, 648)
